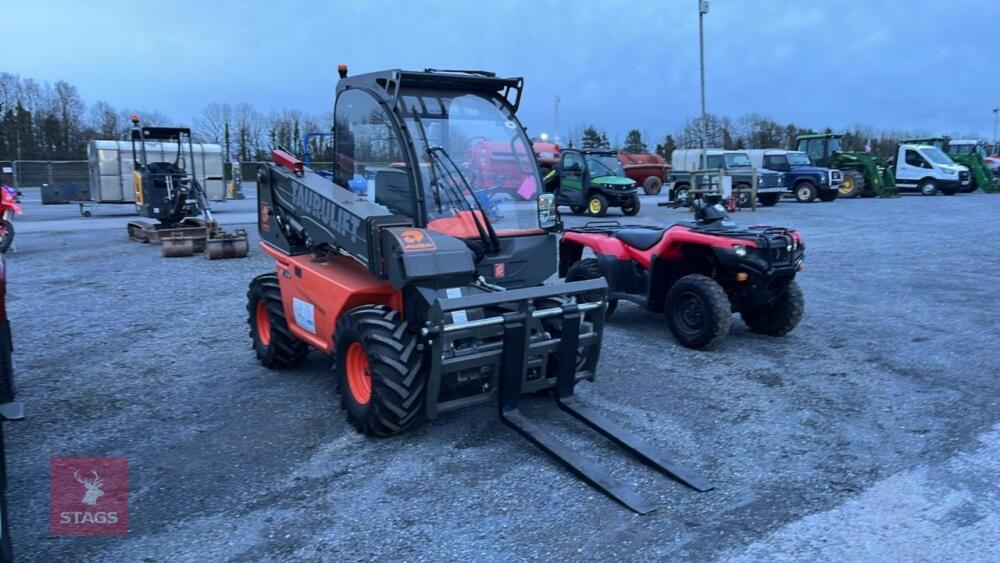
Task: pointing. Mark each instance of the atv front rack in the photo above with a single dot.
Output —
(518, 360)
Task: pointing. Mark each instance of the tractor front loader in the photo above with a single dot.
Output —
(424, 304)
(168, 191)
(863, 174)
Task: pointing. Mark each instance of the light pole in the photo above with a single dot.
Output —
(556, 112)
(996, 111)
(702, 10)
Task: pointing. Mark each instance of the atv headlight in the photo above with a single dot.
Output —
(740, 250)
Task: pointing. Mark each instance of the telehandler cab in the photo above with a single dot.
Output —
(424, 304)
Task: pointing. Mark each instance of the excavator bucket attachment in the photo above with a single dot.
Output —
(221, 245)
(177, 244)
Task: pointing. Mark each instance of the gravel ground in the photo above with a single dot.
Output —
(869, 433)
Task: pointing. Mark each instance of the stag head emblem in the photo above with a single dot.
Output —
(93, 487)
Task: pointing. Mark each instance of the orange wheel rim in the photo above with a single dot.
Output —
(263, 323)
(359, 377)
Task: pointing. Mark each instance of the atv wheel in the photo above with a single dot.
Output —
(928, 187)
(6, 235)
(631, 206)
(590, 269)
(274, 344)
(652, 185)
(829, 195)
(853, 184)
(578, 209)
(681, 194)
(698, 311)
(781, 317)
(769, 200)
(378, 370)
(806, 192)
(743, 195)
(597, 205)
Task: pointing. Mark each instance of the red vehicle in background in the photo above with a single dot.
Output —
(547, 155)
(8, 207)
(499, 167)
(647, 170)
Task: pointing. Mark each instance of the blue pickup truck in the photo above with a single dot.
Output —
(802, 180)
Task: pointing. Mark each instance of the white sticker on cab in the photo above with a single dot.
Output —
(305, 314)
(456, 316)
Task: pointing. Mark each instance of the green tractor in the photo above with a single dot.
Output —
(968, 153)
(865, 175)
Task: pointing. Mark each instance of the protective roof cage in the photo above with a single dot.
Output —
(159, 133)
(388, 83)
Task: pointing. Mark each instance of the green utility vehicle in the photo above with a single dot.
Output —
(590, 181)
(968, 153)
(865, 175)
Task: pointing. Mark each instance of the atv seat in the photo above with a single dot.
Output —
(642, 238)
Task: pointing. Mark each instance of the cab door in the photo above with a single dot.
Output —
(911, 168)
(572, 169)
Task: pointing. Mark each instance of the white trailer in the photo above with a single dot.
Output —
(110, 165)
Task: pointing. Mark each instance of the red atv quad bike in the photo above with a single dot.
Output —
(698, 273)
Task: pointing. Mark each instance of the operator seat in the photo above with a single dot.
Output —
(642, 238)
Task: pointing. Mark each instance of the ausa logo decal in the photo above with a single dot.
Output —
(416, 240)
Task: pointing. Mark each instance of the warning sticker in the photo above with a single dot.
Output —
(305, 314)
(415, 240)
(499, 270)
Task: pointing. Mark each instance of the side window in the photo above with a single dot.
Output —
(714, 161)
(572, 162)
(814, 149)
(913, 158)
(369, 154)
(774, 162)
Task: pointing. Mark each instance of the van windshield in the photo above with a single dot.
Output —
(935, 155)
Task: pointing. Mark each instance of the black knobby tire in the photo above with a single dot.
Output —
(769, 200)
(273, 342)
(853, 184)
(681, 193)
(597, 205)
(781, 317)
(590, 269)
(743, 195)
(652, 185)
(394, 366)
(829, 195)
(806, 192)
(578, 209)
(631, 206)
(949, 191)
(6, 235)
(698, 311)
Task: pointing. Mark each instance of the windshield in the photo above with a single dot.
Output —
(604, 166)
(835, 145)
(963, 149)
(935, 155)
(486, 144)
(798, 159)
(737, 159)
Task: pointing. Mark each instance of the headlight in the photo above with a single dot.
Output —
(740, 251)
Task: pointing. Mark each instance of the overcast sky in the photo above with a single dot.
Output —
(892, 64)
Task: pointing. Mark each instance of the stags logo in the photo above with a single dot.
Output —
(89, 496)
(93, 487)
(415, 239)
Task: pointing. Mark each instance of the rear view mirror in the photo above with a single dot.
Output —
(548, 215)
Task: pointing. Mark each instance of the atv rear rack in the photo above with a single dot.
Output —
(519, 347)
